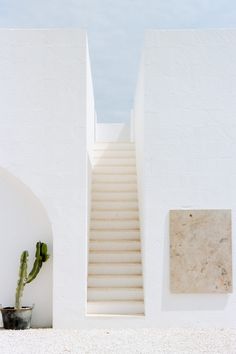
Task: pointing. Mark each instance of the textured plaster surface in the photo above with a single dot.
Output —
(185, 130)
(200, 251)
(44, 111)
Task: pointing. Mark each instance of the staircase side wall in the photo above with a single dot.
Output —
(43, 142)
(185, 133)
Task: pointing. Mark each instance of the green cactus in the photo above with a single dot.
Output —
(41, 256)
(22, 277)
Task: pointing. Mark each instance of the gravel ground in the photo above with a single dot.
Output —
(129, 341)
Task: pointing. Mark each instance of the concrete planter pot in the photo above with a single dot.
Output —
(16, 319)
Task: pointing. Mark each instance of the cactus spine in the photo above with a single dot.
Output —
(41, 256)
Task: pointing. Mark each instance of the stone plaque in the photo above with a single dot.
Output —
(200, 251)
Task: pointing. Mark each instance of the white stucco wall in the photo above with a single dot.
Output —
(185, 136)
(44, 112)
(23, 222)
(112, 132)
(185, 140)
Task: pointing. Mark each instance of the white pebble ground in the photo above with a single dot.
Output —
(140, 341)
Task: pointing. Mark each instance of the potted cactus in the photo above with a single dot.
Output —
(19, 317)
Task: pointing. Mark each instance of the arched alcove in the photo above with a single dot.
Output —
(24, 221)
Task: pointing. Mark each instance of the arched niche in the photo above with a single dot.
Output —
(23, 222)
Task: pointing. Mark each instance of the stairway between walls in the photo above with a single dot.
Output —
(115, 285)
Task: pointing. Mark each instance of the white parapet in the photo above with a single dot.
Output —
(185, 133)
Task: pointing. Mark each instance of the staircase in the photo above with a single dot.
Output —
(115, 284)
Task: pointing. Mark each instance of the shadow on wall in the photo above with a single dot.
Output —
(24, 221)
(186, 302)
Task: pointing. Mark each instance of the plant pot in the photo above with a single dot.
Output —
(17, 319)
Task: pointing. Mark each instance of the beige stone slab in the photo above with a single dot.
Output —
(200, 251)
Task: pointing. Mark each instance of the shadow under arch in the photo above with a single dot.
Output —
(23, 222)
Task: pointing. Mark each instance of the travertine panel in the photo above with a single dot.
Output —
(200, 251)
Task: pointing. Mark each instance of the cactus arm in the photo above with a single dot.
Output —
(37, 264)
(22, 278)
(41, 256)
(44, 252)
(35, 270)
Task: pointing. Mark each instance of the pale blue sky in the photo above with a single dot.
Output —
(115, 29)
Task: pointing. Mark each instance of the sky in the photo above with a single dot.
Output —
(115, 32)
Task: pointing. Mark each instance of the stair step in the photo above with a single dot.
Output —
(114, 162)
(114, 245)
(117, 235)
(115, 268)
(114, 257)
(113, 196)
(114, 224)
(128, 308)
(115, 205)
(113, 146)
(114, 154)
(104, 178)
(114, 187)
(131, 281)
(111, 294)
(113, 170)
(114, 214)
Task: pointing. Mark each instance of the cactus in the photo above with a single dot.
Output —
(22, 277)
(41, 256)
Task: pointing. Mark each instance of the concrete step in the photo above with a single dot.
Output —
(114, 214)
(115, 205)
(117, 235)
(126, 308)
(120, 281)
(113, 154)
(114, 257)
(115, 268)
(115, 245)
(114, 178)
(113, 196)
(114, 187)
(115, 294)
(114, 224)
(114, 162)
(114, 170)
(113, 146)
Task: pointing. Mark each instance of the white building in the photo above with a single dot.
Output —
(55, 186)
